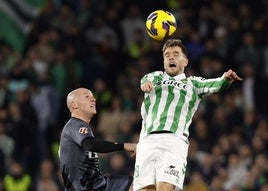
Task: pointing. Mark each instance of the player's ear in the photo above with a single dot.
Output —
(73, 104)
(185, 62)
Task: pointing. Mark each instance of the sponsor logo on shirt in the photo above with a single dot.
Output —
(180, 85)
(83, 130)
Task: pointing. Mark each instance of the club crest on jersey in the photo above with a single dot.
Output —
(83, 130)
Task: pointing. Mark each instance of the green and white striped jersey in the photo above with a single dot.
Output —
(173, 101)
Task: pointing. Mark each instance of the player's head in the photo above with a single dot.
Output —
(175, 57)
(81, 103)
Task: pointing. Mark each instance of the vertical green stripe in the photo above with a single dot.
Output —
(178, 111)
(147, 103)
(163, 116)
(190, 109)
(158, 92)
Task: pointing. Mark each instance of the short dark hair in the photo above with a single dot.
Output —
(175, 42)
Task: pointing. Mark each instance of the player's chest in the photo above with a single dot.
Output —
(172, 85)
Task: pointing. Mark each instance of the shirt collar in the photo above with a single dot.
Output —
(178, 77)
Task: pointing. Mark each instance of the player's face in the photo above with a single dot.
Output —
(87, 102)
(174, 61)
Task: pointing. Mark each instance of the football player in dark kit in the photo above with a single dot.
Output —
(78, 150)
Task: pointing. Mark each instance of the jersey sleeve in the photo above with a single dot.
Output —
(205, 86)
(150, 77)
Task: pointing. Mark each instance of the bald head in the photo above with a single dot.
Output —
(74, 95)
(71, 98)
(81, 103)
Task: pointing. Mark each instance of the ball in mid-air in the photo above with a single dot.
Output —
(160, 24)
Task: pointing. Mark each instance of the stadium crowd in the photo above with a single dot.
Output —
(103, 46)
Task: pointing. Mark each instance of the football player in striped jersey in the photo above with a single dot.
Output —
(170, 101)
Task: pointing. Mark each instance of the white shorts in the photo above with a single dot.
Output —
(160, 158)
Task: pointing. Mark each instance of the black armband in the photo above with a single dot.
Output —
(101, 146)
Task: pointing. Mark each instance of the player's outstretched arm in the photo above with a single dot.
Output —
(101, 146)
(231, 76)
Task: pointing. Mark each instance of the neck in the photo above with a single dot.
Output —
(81, 117)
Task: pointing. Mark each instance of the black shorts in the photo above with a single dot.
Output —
(118, 183)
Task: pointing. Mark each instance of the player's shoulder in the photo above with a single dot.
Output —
(76, 126)
(195, 78)
(156, 73)
(152, 75)
(75, 123)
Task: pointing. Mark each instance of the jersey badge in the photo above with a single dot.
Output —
(83, 130)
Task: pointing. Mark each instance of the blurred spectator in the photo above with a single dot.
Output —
(207, 168)
(248, 87)
(95, 66)
(195, 48)
(216, 184)
(196, 183)
(138, 46)
(118, 164)
(112, 57)
(262, 130)
(125, 131)
(64, 18)
(264, 187)
(7, 145)
(5, 93)
(18, 80)
(258, 145)
(245, 15)
(44, 100)
(245, 155)
(85, 12)
(59, 72)
(17, 179)
(248, 52)
(73, 66)
(236, 172)
(99, 30)
(220, 36)
(206, 23)
(201, 135)
(154, 55)
(102, 93)
(2, 167)
(133, 21)
(111, 118)
(112, 18)
(47, 179)
(127, 97)
(249, 123)
(22, 123)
